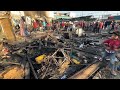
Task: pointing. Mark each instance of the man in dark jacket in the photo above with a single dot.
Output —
(96, 28)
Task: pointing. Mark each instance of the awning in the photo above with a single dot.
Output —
(111, 17)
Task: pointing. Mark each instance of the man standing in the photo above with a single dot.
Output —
(63, 25)
(96, 27)
(105, 25)
(101, 26)
(35, 25)
(113, 25)
(111, 46)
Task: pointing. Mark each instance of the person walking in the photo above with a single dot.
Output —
(101, 26)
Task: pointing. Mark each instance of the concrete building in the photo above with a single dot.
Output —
(48, 15)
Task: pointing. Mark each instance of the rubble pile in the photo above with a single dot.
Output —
(103, 74)
(13, 64)
(55, 56)
(61, 60)
(14, 72)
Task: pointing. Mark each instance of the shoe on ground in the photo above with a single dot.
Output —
(114, 73)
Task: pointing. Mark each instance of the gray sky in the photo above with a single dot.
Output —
(95, 13)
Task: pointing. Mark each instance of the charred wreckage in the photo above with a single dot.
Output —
(60, 56)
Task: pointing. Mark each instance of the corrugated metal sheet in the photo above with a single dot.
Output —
(116, 17)
(64, 17)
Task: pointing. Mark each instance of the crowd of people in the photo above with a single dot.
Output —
(98, 26)
(26, 26)
(93, 26)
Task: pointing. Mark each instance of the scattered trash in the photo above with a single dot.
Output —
(76, 61)
(40, 58)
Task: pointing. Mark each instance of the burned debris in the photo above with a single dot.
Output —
(61, 50)
(57, 56)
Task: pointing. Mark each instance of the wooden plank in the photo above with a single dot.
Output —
(84, 74)
(7, 29)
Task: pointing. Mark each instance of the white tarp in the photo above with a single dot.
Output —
(16, 14)
(50, 14)
(28, 20)
(79, 31)
(21, 13)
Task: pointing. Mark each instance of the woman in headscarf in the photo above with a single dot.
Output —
(22, 26)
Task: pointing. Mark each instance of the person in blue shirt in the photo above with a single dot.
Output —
(44, 25)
